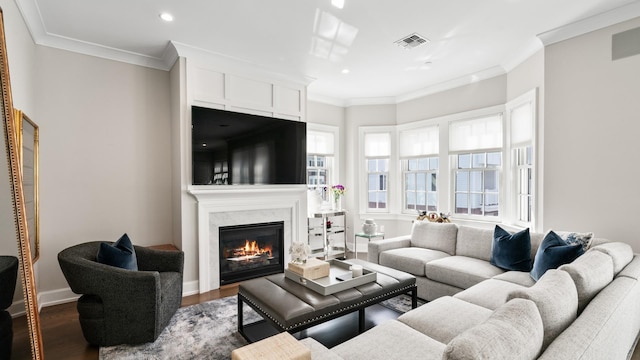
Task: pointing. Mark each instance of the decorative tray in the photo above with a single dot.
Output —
(331, 284)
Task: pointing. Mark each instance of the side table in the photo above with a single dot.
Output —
(366, 236)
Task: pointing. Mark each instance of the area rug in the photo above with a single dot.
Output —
(205, 331)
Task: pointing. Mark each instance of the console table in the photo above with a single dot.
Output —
(319, 228)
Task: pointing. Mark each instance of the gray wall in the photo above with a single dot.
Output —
(104, 155)
(592, 122)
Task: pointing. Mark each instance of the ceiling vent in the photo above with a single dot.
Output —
(412, 41)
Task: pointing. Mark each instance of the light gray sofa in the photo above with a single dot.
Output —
(587, 309)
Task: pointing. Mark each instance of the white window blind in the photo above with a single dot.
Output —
(521, 125)
(320, 142)
(419, 142)
(377, 144)
(476, 134)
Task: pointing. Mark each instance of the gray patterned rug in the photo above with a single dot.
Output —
(205, 331)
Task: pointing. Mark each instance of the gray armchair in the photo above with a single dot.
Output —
(121, 306)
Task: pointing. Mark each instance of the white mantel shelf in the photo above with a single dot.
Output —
(204, 192)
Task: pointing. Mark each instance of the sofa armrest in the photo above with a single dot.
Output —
(378, 246)
(159, 260)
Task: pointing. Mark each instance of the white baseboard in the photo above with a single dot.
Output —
(65, 295)
(190, 288)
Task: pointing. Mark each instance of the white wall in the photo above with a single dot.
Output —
(104, 155)
(592, 111)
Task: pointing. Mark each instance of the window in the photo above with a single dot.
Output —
(377, 174)
(420, 184)
(420, 170)
(524, 189)
(377, 150)
(317, 171)
(476, 147)
(520, 116)
(477, 183)
(320, 158)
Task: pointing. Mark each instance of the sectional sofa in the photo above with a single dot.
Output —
(585, 309)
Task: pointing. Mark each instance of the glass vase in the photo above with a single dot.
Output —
(336, 204)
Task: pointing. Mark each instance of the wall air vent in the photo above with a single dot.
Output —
(412, 41)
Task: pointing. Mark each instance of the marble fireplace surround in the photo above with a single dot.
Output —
(239, 206)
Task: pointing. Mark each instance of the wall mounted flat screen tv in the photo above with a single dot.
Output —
(231, 148)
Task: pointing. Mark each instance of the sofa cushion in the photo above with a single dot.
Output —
(621, 254)
(511, 251)
(552, 253)
(590, 272)
(445, 318)
(474, 242)
(410, 259)
(120, 254)
(514, 331)
(556, 297)
(460, 271)
(516, 277)
(390, 340)
(490, 294)
(435, 236)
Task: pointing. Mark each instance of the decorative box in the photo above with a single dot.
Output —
(312, 269)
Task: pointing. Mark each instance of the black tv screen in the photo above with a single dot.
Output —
(231, 148)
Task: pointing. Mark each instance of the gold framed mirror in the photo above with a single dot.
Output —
(27, 143)
(18, 202)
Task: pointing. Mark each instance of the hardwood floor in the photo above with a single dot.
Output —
(61, 334)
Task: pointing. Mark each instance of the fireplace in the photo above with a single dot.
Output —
(250, 251)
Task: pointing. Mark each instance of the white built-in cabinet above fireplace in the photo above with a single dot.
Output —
(211, 80)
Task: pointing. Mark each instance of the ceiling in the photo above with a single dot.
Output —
(469, 39)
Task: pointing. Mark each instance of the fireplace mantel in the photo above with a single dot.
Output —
(237, 205)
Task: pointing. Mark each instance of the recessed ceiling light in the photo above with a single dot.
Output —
(166, 17)
(338, 3)
(345, 71)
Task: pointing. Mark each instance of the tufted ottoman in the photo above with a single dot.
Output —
(292, 307)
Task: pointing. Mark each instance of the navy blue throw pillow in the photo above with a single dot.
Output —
(120, 254)
(511, 251)
(552, 253)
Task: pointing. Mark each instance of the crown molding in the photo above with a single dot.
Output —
(33, 19)
(453, 83)
(596, 22)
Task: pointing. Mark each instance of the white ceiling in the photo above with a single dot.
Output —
(469, 39)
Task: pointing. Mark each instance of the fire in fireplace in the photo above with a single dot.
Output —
(250, 251)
